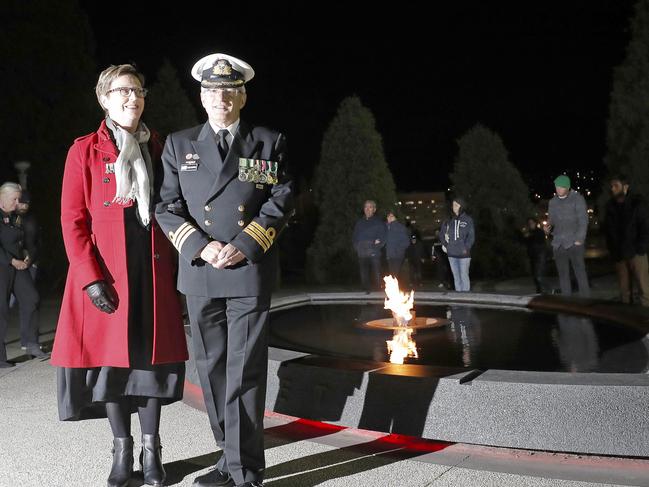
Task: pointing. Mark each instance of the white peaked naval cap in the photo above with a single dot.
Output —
(222, 70)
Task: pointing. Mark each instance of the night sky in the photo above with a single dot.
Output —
(538, 73)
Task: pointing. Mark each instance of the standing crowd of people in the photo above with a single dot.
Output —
(562, 236)
(372, 238)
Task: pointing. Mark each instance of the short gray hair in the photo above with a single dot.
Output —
(10, 187)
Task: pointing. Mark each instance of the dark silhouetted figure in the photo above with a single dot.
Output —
(537, 252)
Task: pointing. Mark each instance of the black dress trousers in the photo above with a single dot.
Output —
(231, 352)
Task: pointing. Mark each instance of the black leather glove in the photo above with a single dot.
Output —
(102, 296)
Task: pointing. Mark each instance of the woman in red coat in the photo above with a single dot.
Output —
(120, 344)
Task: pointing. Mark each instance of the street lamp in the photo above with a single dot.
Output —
(22, 167)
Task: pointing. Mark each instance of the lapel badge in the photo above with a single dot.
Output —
(195, 157)
(110, 168)
(188, 156)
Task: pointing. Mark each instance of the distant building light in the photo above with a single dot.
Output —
(407, 217)
(419, 202)
(414, 221)
(432, 201)
(434, 211)
(410, 203)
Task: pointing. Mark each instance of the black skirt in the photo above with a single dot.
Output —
(83, 392)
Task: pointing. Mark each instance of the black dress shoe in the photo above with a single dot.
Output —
(151, 461)
(215, 478)
(6, 365)
(120, 473)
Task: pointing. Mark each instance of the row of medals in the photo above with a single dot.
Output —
(257, 171)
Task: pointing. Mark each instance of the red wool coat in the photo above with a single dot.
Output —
(95, 242)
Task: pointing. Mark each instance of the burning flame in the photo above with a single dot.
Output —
(399, 303)
(402, 345)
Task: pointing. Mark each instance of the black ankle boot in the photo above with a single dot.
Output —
(151, 461)
(120, 473)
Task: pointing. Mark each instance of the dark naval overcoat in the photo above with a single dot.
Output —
(245, 200)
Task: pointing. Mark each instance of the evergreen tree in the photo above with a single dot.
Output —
(497, 199)
(47, 79)
(352, 169)
(628, 122)
(168, 107)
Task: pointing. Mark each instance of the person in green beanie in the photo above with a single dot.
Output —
(562, 182)
(568, 224)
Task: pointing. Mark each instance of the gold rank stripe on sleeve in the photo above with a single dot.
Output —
(269, 233)
(259, 238)
(180, 236)
(257, 232)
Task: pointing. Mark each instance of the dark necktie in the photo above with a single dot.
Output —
(223, 143)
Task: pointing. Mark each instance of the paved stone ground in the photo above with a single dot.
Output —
(38, 450)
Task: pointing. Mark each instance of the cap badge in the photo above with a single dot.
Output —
(222, 68)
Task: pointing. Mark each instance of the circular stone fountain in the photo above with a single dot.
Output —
(544, 373)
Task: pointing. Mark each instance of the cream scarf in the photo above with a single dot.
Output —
(131, 175)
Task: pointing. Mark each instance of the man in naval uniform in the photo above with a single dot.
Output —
(225, 198)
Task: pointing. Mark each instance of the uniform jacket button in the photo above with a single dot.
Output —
(241, 208)
(106, 180)
(208, 222)
(106, 203)
(106, 158)
(156, 256)
(208, 208)
(241, 223)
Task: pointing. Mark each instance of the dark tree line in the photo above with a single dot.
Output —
(627, 134)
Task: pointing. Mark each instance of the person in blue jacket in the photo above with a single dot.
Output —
(396, 243)
(458, 236)
(368, 240)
